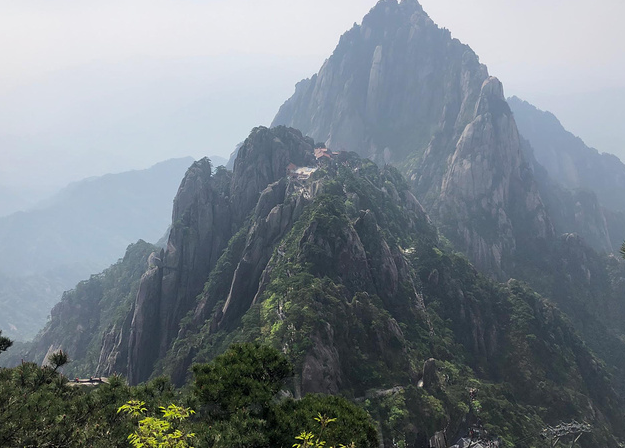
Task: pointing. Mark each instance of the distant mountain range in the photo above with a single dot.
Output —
(13, 200)
(567, 158)
(76, 233)
(582, 188)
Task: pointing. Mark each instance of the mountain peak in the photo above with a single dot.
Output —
(406, 4)
(412, 4)
(492, 86)
(492, 98)
(406, 9)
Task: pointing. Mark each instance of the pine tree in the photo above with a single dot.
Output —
(5, 343)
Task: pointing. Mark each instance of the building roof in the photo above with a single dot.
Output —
(322, 152)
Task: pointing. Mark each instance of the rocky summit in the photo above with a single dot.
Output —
(399, 89)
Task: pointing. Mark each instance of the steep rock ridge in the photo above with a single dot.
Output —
(457, 142)
(461, 152)
(202, 226)
(273, 218)
(488, 197)
(211, 206)
(208, 210)
(567, 159)
(358, 254)
(263, 159)
(398, 89)
(390, 84)
(242, 273)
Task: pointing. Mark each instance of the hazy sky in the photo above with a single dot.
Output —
(91, 87)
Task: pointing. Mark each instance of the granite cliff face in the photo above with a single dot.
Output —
(241, 279)
(399, 89)
(208, 209)
(342, 272)
(391, 83)
(334, 260)
(488, 201)
(201, 228)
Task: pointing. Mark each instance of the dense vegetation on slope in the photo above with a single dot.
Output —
(43, 408)
(79, 321)
(343, 272)
(478, 179)
(358, 294)
(335, 263)
(401, 90)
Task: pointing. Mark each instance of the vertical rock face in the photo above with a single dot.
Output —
(262, 160)
(146, 328)
(488, 197)
(330, 230)
(201, 228)
(126, 319)
(389, 85)
(341, 271)
(208, 210)
(399, 89)
(272, 219)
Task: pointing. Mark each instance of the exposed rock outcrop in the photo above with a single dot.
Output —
(202, 225)
(389, 85)
(273, 218)
(430, 377)
(262, 160)
(488, 197)
(208, 210)
(341, 271)
(399, 89)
